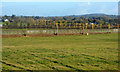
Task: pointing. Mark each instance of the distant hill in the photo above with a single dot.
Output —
(95, 15)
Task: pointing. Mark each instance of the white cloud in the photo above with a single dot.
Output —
(88, 3)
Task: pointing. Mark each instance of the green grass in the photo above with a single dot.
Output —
(77, 52)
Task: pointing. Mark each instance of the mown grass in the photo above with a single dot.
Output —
(77, 52)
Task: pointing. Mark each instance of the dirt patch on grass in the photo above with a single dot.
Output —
(47, 35)
(9, 36)
(35, 35)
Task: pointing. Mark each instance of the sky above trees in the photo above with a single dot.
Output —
(59, 0)
(58, 8)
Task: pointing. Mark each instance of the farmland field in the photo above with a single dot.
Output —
(76, 52)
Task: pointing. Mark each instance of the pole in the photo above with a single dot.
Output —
(86, 25)
(74, 25)
(83, 26)
(57, 26)
(108, 26)
(118, 26)
(92, 26)
(45, 23)
(61, 24)
(26, 29)
(69, 25)
(100, 26)
(80, 25)
(54, 24)
(40, 23)
(65, 23)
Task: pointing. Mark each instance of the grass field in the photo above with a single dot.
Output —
(77, 52)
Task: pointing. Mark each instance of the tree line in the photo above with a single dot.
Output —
(32, 21)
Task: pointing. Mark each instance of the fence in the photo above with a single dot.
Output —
(60, 31)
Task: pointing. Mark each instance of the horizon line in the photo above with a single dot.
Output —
(64, 15)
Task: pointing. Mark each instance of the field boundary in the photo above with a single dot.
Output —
(47, 35)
